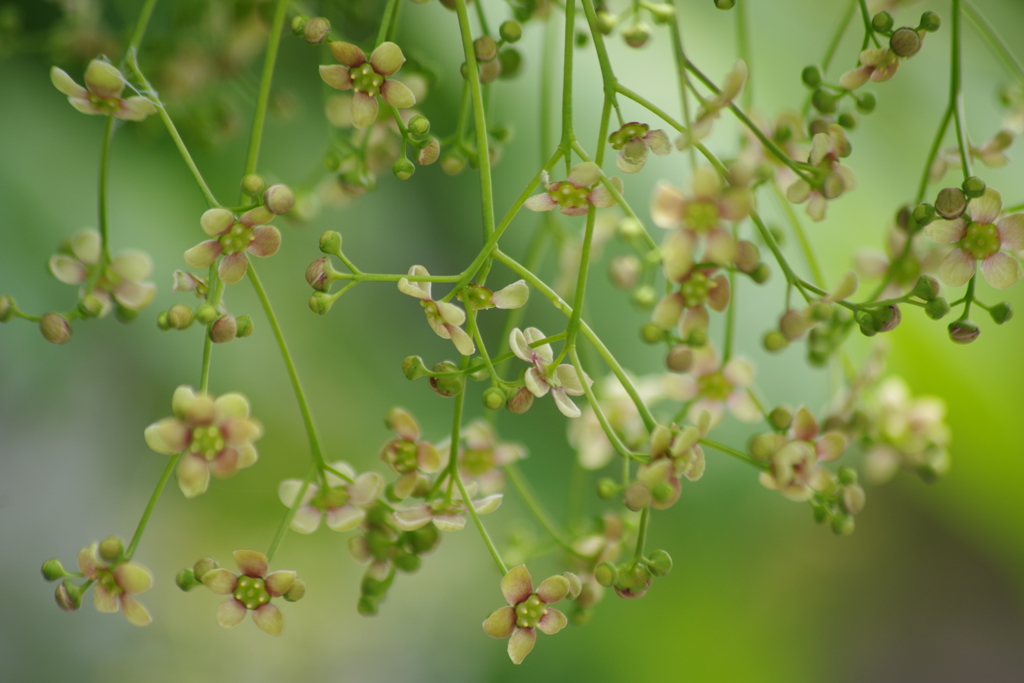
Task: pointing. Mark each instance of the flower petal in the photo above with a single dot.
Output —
(135, 108)
(133, 265)
(403, 424)
(521, 644)
(564, 403)
(134, 295)
(742, 406)
(957, 268)
(721, 247)
(739, 372)
(553, 589)
(397, 94)
(667, 206)
(133, 578)
(520, 346)
(256, 216)
(336, 76)
(584, 174)
(536, 383)
(288, 491)
(193, 475)
(216, 222)
(450, 522)
(488, 504)
(516, 585)
(306, 519)
(221, 581)
(985, 209)
(1011, 232)
(410, 519)
(104, 600)
(677, 254)
(387, 58)
(364, 110)
(552, 622)
(830, 446)
(169, 436)
(66, 269)
(232, 268)
(428, 458)
(230, 613)
(516, 294)
(501, 623)
(269, 618)
(366, 488)
(570, 379)
(266, 240)
(658, 142)
(86, 246)
(252, 563)
(1001, 270)
(63, 82)
(203, 254)
(602, 197)
(348, 54)
(946, 232)
(345, 518)
(134, 612)
(541, 202)
(279, 582)
(805, 427)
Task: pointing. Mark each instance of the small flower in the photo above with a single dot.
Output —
(187, 282)
(575, 195)
(992, 153)
(593, 450)
(826, 151)
(908, 432)
(341, 503)
(447, 515)
(712, 108)
(527, 611)
(514, 295)
(876, 64)
(213, 436)
(698, 289)
(122, 279)
(444, 318)
(794, 471)
(252, 589)
(981, 236)
(102, 92)
(368, 79)
(674, 454)
(543, 377)
(633, 141)
(116, 584)
(712, 387)
(235, 235)
(480, 461)
(407, 454)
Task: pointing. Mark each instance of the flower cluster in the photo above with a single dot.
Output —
(121, 281)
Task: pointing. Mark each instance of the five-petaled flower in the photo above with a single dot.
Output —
(444, 318)
(529, 610)
(633, 141)
(484, 456)
(826, 151)
(793, 458)
(674, 454)
(406, 453)
(102, 92)
(341, 503)
(576, 194)
(712, 387)
(980, 236)
(116, 584)
(212, 436)
(368, 78)
(122, 279)
(445, 513)
(234, 236)
(252, 589)
(544, 376)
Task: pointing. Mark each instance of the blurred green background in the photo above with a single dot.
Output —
(929, 588)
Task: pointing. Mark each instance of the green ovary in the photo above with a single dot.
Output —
(251, 591)
(478, 462)
(695, 290)
(701, 216)
(530, 611)
(403, 456)
(714, 386)
(628, 132)
(569, 196)
(981, 240)
(236, 239)
(207, 441)
(365, 79)
(333, 497)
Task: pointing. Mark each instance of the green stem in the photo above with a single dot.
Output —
(385, 22)
(602, 419)
(969, 297)
(134, 543)
(641, 536)
(869, 32)
(480, 525)
(730, 313)
(568, 135)
(141, 24)
(733, 452)
(607, 75)
(743, 47)
(684, 80)
(263, 98)
(801, 236)
(523, 488)
(956, 92)
(286, 522)
(993, 40)
(108, 136)
(837, 37)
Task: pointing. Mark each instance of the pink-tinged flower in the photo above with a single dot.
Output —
(876, 64)
(702, 214)
(483, 457)
(447, 515)
(102, 92)
(187, 282)
(562, 380)
(234, 236)
(793, 458)
(444, 318)
(481, 298)
(908, 432)
(407, 454)
(674, 454)
(733, 86)
(528, 610)
(992, 153)
(576, 194)
(923, 258)
(212, 436)
(251, 589)
(713, 387)
(698, 289)
(122, 280)
(981, 236)
(116, 584)
(368, 78)
(593, 450)
(633, 141)
(341, 504)
(826, 151)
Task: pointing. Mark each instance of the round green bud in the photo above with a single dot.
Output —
(697, 337)
(645, 296)
(414, 368)
(502, 132)
(52, 570)
(253, 184)
(867, 327)
(927, 288)
(447, 387)
(90, 306)
(882, 22)
(367, 606)
(937, 308)
(485, 48)
(7, 308)
(180, 317)
(244, 325)
(821, 311)
(842, 525)
(520, 401)
(186, 579)
(296, 592)
(424, 539)
(905, 42)
(1001, 312)
(407, 562)
(662, 492)
(824, 101)
(403, 168)
(606, 22)
(206, 314)
(330, 242)
(950, 203)
(680, 358)
(223, 330)
(817, 357)
(630, 228)
(781, 417)
(453, 162)
(320, 302)
(761, 273)
(606, 488)
(930, 22)
(651, 334)
(68, 596)
(774, 341)
(511, 61)
(111, 548)
(637, 35)
(332, 161)
(298, 24)
(866, 103)
(419, 126)
(660, 563)
(315, 30)
(847, 120)
(811, 76)
(923, 214)
(606, 574)
(661, 13)
(494, 398)
(54, 328)
(511, 31)
(847, 476)
(279, 199)
(974, 187)
(888, 318)
(725, 4)
(963, 331)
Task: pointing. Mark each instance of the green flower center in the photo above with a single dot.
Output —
(251, 591)
(237, 239)
(333, 497)
(569, 196)
(701, 216)
(109, 105)
(714, 386)
(530, 611)
(207, 441)
(105, 578)
(403, 456)
(365, 79)
(628, 132)
(695, 290)
(981, 240)
(478, 462)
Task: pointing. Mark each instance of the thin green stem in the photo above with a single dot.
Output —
(743, 47)
(523, 488)
(385, 22)
(282, 528)
(837, 37)
(568, 135)
(263, 98)
(140, 26)
(608, 81)
(869, 32)
(684, 79)
(956, 91)
(730, 313)
(602, 419)
(480, 525)
(733, 452)
(995, 43)
(108, 136)
(137, 536)
(641, 536)
(801, 237)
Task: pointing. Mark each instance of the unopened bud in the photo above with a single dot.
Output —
(793, 324)
(367, 606)
(206, 314)
(606, 488)
(510, 61)
(511, 31)
(963, 331)
(55, 328)
(111, 548)
(651, 333)
(927, 288)
(824, 101)
(662, 13)
(930, 22)
(747, 256)
(847, 120)
(488, 72)
(299, 23)
(68, 596)
(330, 242)
(923, 214)
(223, 330)
(317, 274)
(937, 308)
(52, 570)
(253, 184)
(315, 30)
(244, 325)
(811, 76)
(853, 498)
(974, 187)
(606, 574)
(204, 565)
(761, 273)
(842, 525)
(320, 303)
(645, 296)
(905, 42)
(637, 35)
(413, 368)
(951, 203)
(890, 318)
(606, 22)
(419, 126)
(520, 401)
(659, 562)
(447, 386)
(1001, 312)
(162, 322)
(90, 306)
(774, 341)
(180, 317)
(493, 398)
(882, 22)
(279, 199)
(453, 163)
(186, 579)
(6, 308)
(485, 48)
(296, 592)
(781, 417)
(725, 4)
(680, 358)
(103, 79)
(866, 103)
(429, 152)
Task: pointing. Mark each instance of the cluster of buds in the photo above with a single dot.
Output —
(880, 64)
(633, 578)
(220, 326)
(831, 178)
(674, 453)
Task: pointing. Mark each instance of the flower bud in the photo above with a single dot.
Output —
(223, 330)
(419, 126)
(90, 306)
(316, 30)
(429, 152)
(7, 308)
(833, 185)
(820, 311)
(330, 242)
(624, 271)
(937, 308)
(447, 386)
(930, 22)
(645, 296)
(905, 42)
(824, 101)
(68, 596)
(55, 328)
(279, 199)
(180, 317)
(253, 184)
(793, 324)
(866, 103)
(317, 274)
(510, 62)
(488, 72)
(974, 187)
(889, 318)
(606, 574)
(52, 570)
(103, 79)
(403, 168)
(637, 35)
(205, 314)
(299, 23)
(244, 325)
(842, 525)
(651, 334)
(847, 120)
(963, 331)
(606, 488)
(367, 606)
(747, 256)
(413, 368)
(725, 4)
(630, 228)
(125, 314)
(320, 303)
(661, 13)
(680, 358)
(761, 273)
(774, 341)
(204, 565)
(296, 592)
(111, 548)
(485, 48)
(494, 398)
(882, 22)
(186, 579)
(951, 203)
(660, 563)
(923, 214)
(520, 401)
(927, 288)
(511, 31)
(453, 162)
(811, 76)
(162, 322)
(853, 498)
(1001, 312)
(606, 22)
(781, 417)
